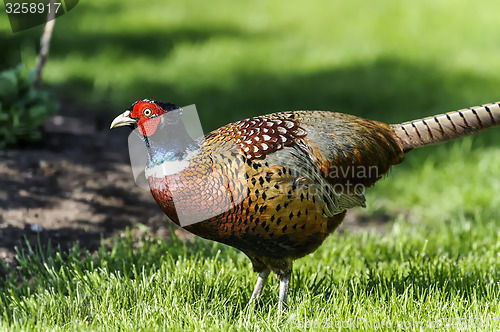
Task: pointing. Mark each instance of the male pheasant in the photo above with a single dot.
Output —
(274, 186)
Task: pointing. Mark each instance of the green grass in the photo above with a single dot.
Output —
(390, 61)
(406, 275)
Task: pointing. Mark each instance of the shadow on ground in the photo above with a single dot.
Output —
(75, 185)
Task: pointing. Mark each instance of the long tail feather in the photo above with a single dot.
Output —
(448, 126)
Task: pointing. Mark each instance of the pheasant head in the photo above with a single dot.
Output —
(159, 125)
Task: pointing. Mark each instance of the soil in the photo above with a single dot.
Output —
(76, 185)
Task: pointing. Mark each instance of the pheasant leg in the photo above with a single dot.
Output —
(259, 286)
(284, 287)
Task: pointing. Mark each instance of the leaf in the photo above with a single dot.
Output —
(22, 107)
(8, 84)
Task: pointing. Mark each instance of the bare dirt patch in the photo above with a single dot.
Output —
(75, 185)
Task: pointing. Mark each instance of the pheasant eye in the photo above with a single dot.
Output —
(147, 112)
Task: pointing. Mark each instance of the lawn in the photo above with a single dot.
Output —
(441, 275)
(435, 261)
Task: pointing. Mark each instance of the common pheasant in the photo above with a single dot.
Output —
(274, 186)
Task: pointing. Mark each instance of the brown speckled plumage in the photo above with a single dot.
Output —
(275, 186)
(281, 212)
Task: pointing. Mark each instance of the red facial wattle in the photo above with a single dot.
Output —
(147, 127)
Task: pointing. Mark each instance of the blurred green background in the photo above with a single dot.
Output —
(386, 60)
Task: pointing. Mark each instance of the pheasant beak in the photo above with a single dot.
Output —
(123, 119)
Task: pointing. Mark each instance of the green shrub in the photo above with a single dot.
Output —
(22, 107)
